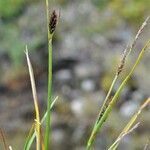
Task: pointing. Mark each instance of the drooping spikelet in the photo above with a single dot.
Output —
(129, 48)
(139, 32)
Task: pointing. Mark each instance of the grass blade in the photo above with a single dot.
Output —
(31, 138)
(35, 98)
(3, 139)
(146, 146)
(128, 127)
(126, 53)
(116, 143)
(114, 99)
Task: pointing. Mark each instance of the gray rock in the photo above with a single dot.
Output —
(88, 85)
(128, 108)
(77, 106)
(63, 75)
(85, 70)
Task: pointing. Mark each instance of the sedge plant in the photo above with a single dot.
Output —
(108, 103)
(107, 106)
(51, 26)
(130, 125)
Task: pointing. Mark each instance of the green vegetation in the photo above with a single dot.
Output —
(131, 10)
(10, 8)
(37, 132)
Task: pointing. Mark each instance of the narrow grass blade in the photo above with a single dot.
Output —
(3, 139)
(129, 127)
(114, 145)
(138, 34)
(31, 138)
(42, 141)
(146, 146)
(114, 99)
(121, 65)
(35, 98)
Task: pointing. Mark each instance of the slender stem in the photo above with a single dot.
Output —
(115, 98)
(129, 127)
(31, 138)
(35, 98)
(107, 96)
(3, 138)
(103, 106)
(49, 96)
(116, 143)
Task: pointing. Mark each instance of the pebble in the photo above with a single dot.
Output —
(63, 75)
(129, 108)
(85, 70)
(88, 85)
(58, 136)
(77, 106)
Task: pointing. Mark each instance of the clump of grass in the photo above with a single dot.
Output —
(52, 21)
(129, 127)
(32, 134)
(108, 103)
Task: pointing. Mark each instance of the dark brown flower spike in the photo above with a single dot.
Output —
(53, 22)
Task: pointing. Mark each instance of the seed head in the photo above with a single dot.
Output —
(53, 22)
(122, 61)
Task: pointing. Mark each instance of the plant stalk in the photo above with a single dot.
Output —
(49, 95)
(114, 100)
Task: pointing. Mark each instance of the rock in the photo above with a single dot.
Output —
(138, 96)
(58, 136)
(63, 75)
(128, 108)
(77, 106)
(88, 85)
(86, 70)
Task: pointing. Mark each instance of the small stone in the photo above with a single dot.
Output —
(63, 75)
(58, 136)
(86, 70)
(77, 106)
(88, 85)
(128, 108)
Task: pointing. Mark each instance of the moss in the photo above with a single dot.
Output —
(9, 8)
(12, 8)
(15, 35)
(100, 27)
(10, 42)
(100, 3)
(131, 10)
(62, 2)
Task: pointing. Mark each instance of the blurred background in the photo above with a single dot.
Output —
(89, 40)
